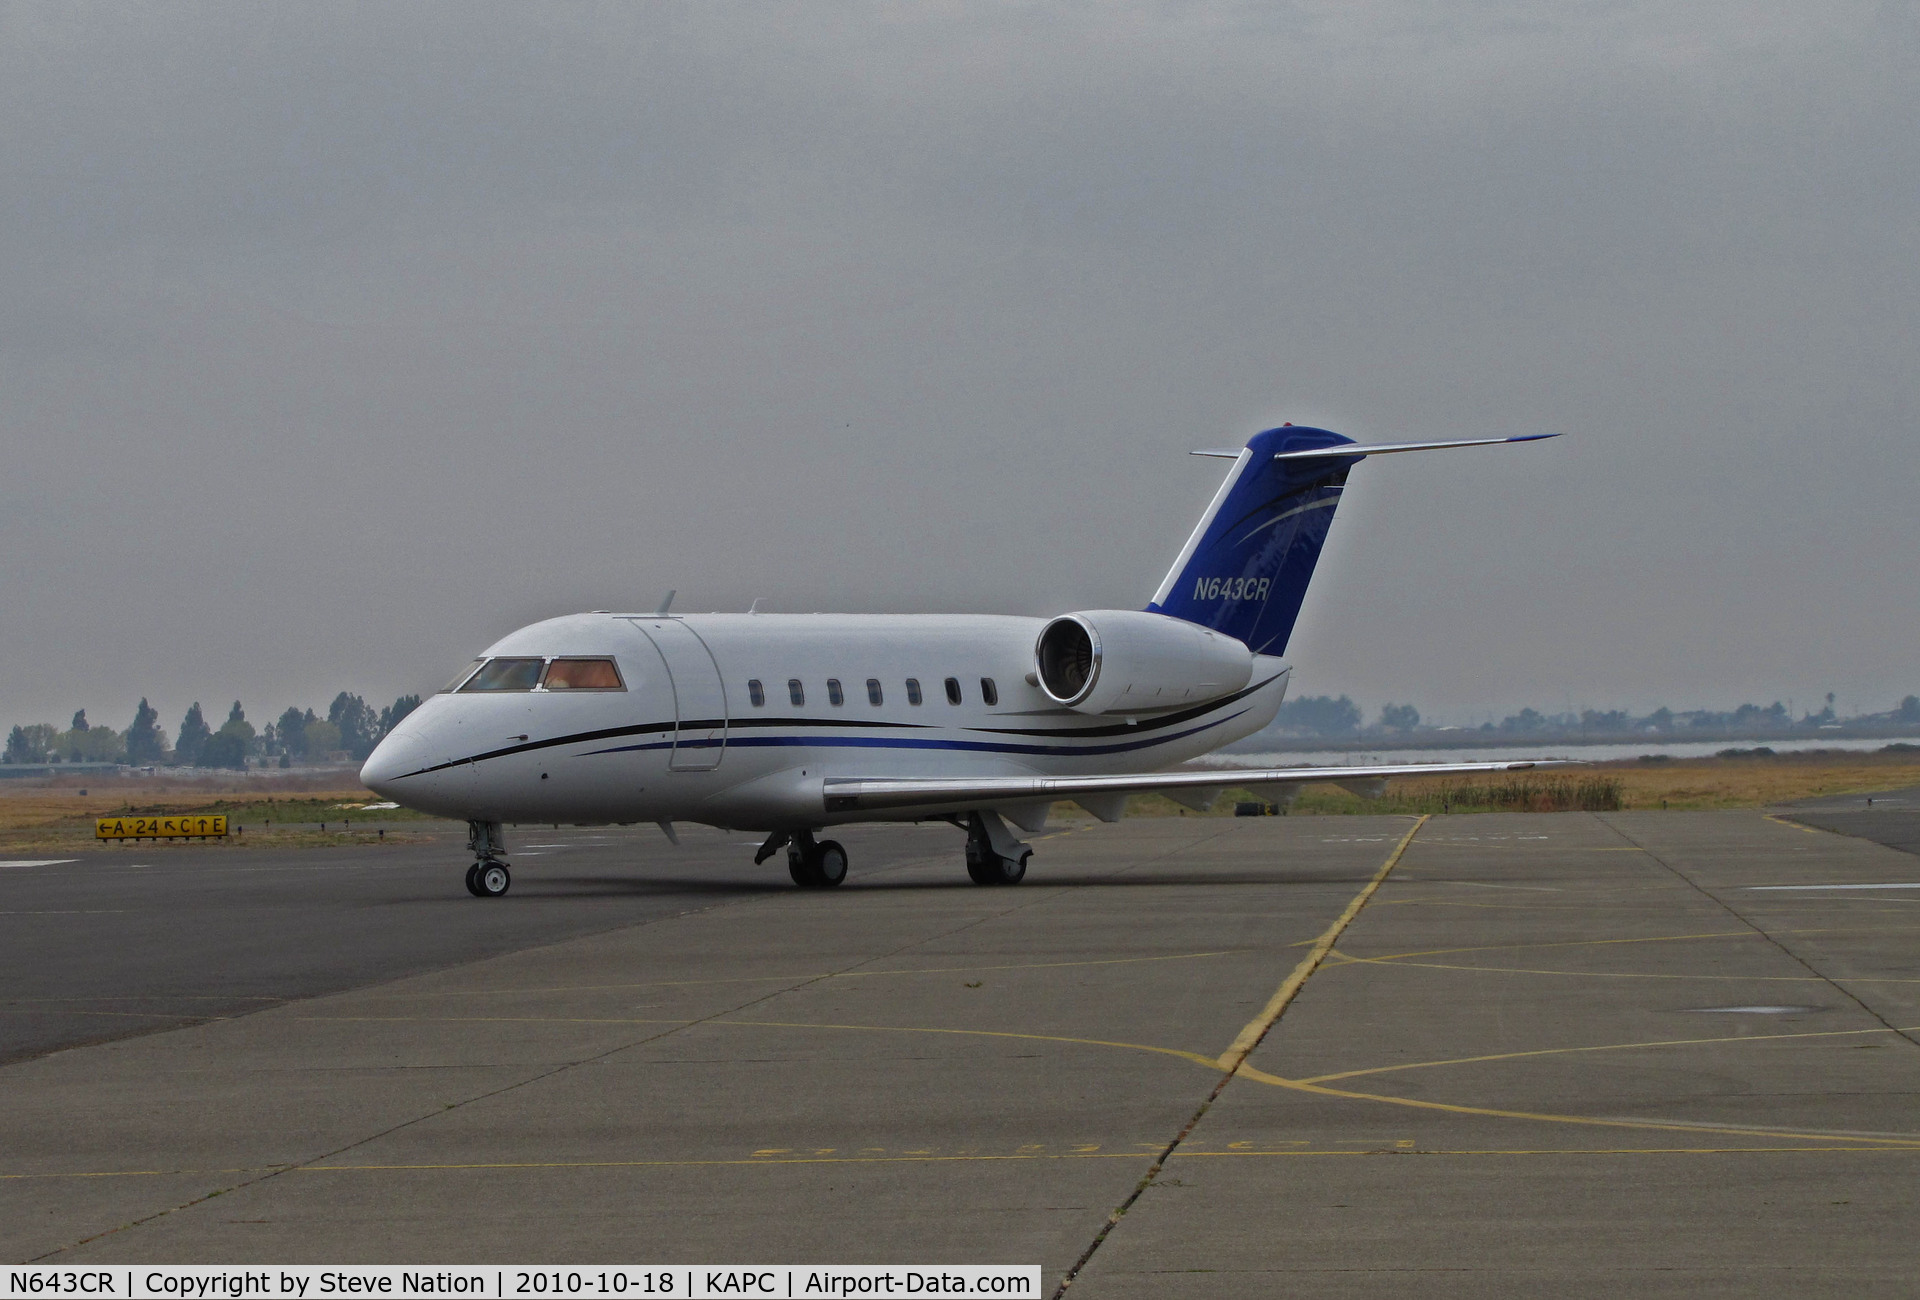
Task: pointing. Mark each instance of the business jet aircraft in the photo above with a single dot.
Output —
(786, 724)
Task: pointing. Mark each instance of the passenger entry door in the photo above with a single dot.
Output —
(699, 696)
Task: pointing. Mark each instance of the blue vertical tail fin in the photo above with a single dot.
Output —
(1245, 570)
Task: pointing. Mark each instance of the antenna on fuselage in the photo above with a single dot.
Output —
(666, 604)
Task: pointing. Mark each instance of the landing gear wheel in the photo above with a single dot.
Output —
(491, 879)
(829, 864)
(985, 867)
(1013, 870)
(816, 866)
(473, 880)
(979, 864)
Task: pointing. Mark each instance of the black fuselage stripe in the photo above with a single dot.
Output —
(1133, 728)
(708, 724)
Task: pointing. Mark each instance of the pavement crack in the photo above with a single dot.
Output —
(1906, 1034)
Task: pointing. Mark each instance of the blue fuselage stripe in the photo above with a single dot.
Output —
(900, 742)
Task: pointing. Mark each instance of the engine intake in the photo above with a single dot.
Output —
(1067, 655)
(1127, 661)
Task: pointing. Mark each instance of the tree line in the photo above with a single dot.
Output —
(351, 729)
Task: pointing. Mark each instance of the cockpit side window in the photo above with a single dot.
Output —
(505, 675)
(460, 677)
(583, 675)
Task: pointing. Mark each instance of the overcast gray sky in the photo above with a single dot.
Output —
(338, 340)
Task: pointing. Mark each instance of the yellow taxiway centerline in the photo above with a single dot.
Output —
(1249, 1037)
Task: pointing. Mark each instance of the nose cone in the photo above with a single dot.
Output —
(399, 755)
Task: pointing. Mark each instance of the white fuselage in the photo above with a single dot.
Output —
(684, 739)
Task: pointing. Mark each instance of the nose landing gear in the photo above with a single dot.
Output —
(488, 877)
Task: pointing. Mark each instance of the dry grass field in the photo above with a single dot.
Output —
(1676, 784)
(56, 816)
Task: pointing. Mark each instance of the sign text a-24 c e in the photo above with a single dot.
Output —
(179, 826)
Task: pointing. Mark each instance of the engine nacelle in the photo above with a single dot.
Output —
(1127, 661)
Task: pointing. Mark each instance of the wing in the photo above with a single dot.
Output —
(862, 794)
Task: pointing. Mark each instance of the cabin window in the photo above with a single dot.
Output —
(796, 692)
(461, 676)
(989, 692)
(757, 694)
(913, 690)
(835, 696)
(583, 675)
(953, 690)
(506, 675)
(873, 692)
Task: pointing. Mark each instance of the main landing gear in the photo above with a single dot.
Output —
(488, 877)
(813, 864)
(994, 857)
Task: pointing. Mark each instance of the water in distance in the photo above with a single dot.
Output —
(1520, 748)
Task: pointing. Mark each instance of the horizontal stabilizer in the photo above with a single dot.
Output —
(1356, 449)
(859, 794)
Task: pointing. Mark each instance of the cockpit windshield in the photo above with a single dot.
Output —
(506, 675)
(583, 675)
(461, 676)
(530, 674)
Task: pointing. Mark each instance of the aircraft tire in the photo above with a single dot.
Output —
(979, 864)
(989, 868)
(473, 880)
(800, 869)
(491, 879)
(829, 864)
